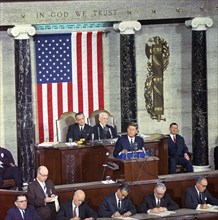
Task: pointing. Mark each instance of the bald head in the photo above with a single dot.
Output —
(79, 197)
(42, 173)
(43, 170)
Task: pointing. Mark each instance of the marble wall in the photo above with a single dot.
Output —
(177, 82)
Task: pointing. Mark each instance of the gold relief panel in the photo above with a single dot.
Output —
(157, 52)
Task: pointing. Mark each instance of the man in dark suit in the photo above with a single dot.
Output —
(42, 194)
(117, 204)
(102, 130)
(21, 211)
(79, 130)
(158, 201)
(198, 196)
(76, 208)
(129, 141)
(177, 151)
(8, 169)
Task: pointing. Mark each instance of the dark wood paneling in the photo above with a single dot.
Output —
(96, 191)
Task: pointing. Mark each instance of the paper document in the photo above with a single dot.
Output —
(47, 144)
(127, 218)
(107, 181)
(211, 208)
(163, 214)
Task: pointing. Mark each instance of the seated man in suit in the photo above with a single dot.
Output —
(102, 130)
(198, 196)
(79, 129)
(41, 194)
(117, 204)
(177, 151)
(21, 211)
(129, 141)
(158, 201)
(8, 169)
(76, 208)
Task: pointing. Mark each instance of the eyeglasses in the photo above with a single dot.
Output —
(204, 186)
(45, 175)
(22, 201)
(123, 195)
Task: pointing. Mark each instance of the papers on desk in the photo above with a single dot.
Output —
(211, 208)
(47, 144)
(127, 218)
(57, 144)
(107, 181)
(163, 214)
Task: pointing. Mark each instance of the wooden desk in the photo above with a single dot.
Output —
(85, 164)
(72, 164)
(96, 191)
(180, 214)
(134, 169)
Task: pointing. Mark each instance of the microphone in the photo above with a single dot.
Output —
(105, 131)
(99, 134)
(105, 164)
(110, 133)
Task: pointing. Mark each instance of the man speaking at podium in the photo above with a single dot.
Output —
(129, 142)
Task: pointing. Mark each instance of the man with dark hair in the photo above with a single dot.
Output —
(41, 194)
(79, 130)
(198, 196)
(8, 169)
(117, 204)
(21, 211)
(177, 151)
(129, 141)
(76, 208)
(158, 201)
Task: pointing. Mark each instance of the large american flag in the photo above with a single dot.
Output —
(69, 77)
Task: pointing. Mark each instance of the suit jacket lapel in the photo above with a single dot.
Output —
(18, 214)
(40, 188)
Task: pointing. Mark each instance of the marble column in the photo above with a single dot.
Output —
(199, 90)
(127, 71)
(24, 105)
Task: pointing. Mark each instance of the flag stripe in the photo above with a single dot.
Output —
(50, 112)
(100, 70)
(89, 70)
(84, 73)
(95, 74)
(40, 113)
(79, 71)
(69, 77)
(70, 96)
(74, 71)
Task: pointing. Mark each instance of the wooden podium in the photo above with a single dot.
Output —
(134, 169)
(85, 163)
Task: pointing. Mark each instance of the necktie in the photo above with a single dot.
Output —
(158, 203)
(74, 212)
(119, 204)
(45, 189)
(174, 139)
(131, 141)
(23, 214)
(200, 197)
(81, 129)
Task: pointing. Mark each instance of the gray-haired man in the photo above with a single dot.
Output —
(158, 201)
